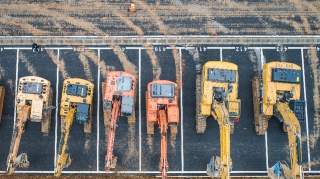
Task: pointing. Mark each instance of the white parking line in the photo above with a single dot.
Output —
(181, 111)
(165, 36)
(225, 48)
(15, 90)
(98, 111)
(139, 110)
(266, 134)
(263, 48)
(138, 47)
(139, 172)
(306, 107)
(221, 54)
(298, 48)
(56, 110)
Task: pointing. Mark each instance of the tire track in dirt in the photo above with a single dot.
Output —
(86, 67)
(2, 72)
(85, 25)
(149, 49)
(59, 63)
(95, 59)
(314, 63)
(23, 25)
(27, 64)
(165, 31)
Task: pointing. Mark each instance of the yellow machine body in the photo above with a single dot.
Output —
(232, 101)
(272, 90)
(67, 100)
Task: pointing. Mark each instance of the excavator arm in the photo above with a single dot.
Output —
(163, 123)
(292, 126)
(220, 166)
(64, 159)
(110, 159)
(22, 160)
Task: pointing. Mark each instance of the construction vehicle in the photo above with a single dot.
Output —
(2, 93)
(218, 96)
(276, 92)
(76, 103)
(33, 102)
(118, 100)
(162, 109)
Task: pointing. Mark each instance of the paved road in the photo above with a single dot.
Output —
(248, 150)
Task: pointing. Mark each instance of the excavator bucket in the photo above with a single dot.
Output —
(280, 170)
(22, 161)
(113, 162)
(213, 166)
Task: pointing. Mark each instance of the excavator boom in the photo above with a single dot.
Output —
(110, 159)
(20, 161)
(163, 123)
(220, 166)
(63, 159)
(294, 135)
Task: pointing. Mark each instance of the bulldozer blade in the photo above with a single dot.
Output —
(22, 161)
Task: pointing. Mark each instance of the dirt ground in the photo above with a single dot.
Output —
(112, 177)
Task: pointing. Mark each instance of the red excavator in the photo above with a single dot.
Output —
(118, 100)
(162, 108)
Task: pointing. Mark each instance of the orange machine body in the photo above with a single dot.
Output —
(112, 89)
(169, 100)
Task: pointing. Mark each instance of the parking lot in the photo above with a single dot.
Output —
(251, 154)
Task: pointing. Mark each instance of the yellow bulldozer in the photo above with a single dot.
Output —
(276, 92)
(217, 96)
(76, 104)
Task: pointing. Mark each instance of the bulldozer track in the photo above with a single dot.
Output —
(200, 121)
(261, 124)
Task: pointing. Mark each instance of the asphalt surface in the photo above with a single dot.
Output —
(248, 151)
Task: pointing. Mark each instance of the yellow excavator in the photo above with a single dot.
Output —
(218, 96)
(34, 97)
(76, 104)
(276, 92)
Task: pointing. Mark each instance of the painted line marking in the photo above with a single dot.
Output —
(181, 111)
(306, 108)
(137, 172)
(298, 48)
(164, 36)
(56, 110)
(217, 48)
(137, 47)
(221, 54)
(16, 90)
(263, 48)
(266, 134)
(98, 112)
(140, 110)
